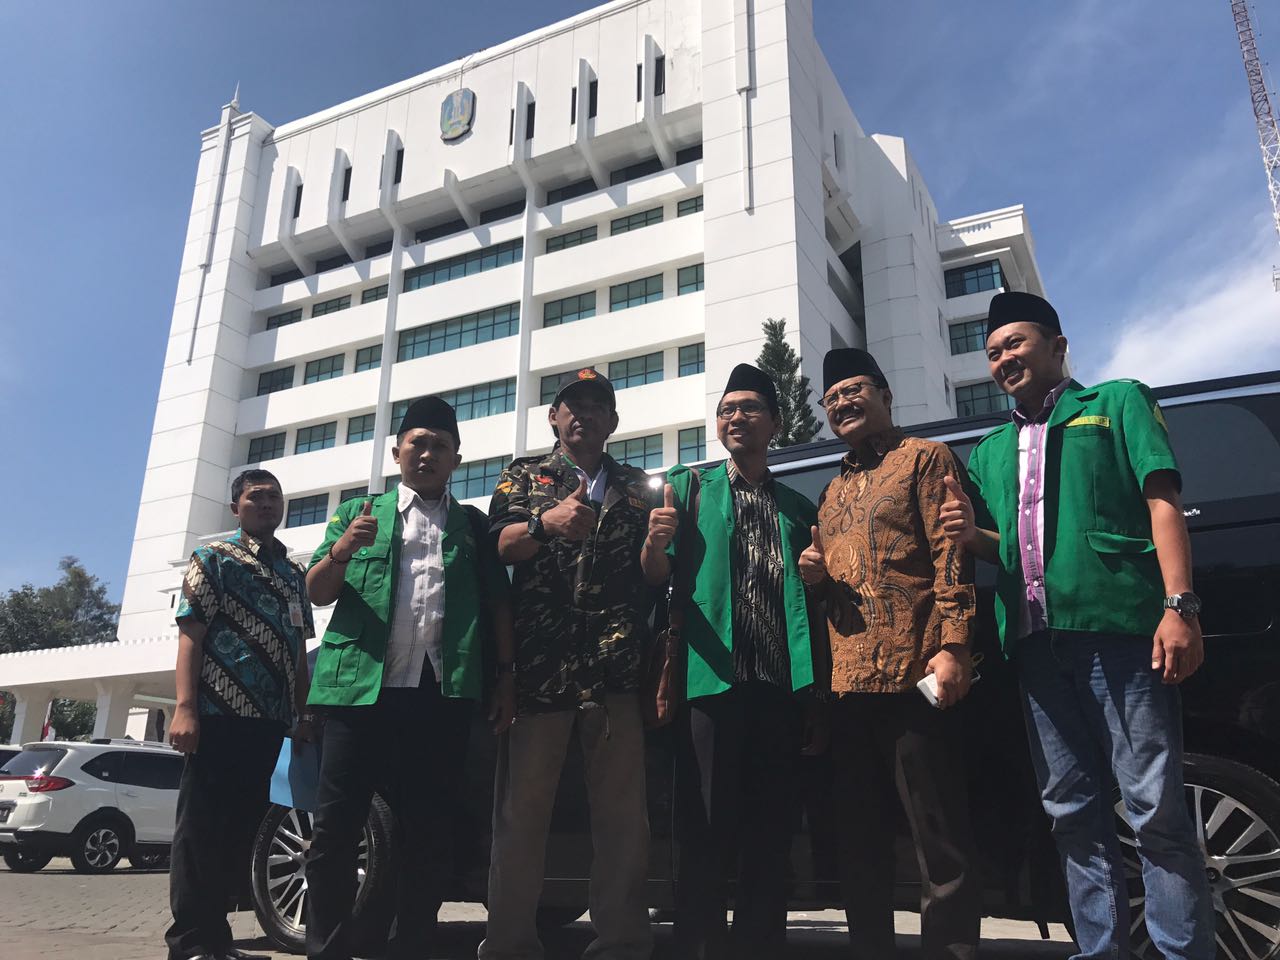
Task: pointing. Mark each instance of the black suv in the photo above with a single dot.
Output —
(1227, 437)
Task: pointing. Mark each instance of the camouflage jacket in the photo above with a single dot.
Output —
(581, 610)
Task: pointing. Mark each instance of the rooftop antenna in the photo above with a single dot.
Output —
(235, 97)
(1264, 114)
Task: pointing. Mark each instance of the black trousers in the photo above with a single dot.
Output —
(736, 808)
(221, 799)
(883, 741)
(410, 747)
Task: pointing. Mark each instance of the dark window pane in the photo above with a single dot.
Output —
(981, 398)
(693, 445)
(968, 337)
(318, 437)
(642, 452)
(351, 493)
(475, 262)
(327, 368)
(566, 240)
(689, 279)
(569, 309)
(973, 279)
(330, 306)
(369, 358)
(689, 205)
(274, 380)
(266, 448)
(459, 332)
(635, 221)
(374, 293)
(284, 319)
(308, 510)
(360, 428)
(332, 263)
(635, 371)
(476, 479)
(692, 359)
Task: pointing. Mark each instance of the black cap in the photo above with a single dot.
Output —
(847, 362)
(430, 413)
(746, 377)
(586, 378)
(1016, 307)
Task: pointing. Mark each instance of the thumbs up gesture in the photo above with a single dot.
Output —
(956, 514)
(813, 561)
(573, 517)
(361, 532)
(664, 521)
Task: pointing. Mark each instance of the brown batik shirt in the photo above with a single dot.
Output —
(899, 588)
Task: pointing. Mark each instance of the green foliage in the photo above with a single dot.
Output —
(796, 422)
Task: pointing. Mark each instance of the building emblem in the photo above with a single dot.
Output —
(456, 113)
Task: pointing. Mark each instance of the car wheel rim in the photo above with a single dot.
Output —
(102, 847)
(286, 868)
(1242, 860)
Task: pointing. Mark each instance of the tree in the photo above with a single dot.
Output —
(796, 422)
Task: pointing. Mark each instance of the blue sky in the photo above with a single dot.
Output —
(1124, 128)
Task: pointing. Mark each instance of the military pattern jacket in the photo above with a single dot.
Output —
(581, 610)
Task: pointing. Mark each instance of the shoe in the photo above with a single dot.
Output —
(236, 954)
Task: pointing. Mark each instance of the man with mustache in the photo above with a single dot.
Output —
(572, 523)
(1077, 503)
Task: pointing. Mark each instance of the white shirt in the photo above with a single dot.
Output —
(596, 485)
(417, 622)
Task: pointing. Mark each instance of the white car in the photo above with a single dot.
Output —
(94, 802)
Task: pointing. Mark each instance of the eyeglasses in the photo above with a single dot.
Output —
(848, 392)
(749, 409)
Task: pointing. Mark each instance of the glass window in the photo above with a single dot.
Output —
(266, 448)
(459, 332)
(635, 371)
(446, 229)
(284, 319)
(286, 276)
(105, 766)
(482, 400)
(968, 337)
(308, 510)
(642, 452)
(578, 188)
(464, 265)
(635, 171)
(399, 173)
(374, 293)
(319, 437)
(476, 479)
(635, 221)
(693, 359)
(360, 428)
(575, 239)
(693, 444)
(377, 249)
(352, 493)
(330, 306)
(689, 279)
(688, 155)
(659, 76)
(981, 398)
(34, 762)
(636, 292)
(390, 483)
(274, 380)
(974, 279)
(369, 358)
(689, 205)
(152, 770)
(502, 212)
(332, 263)
(569, 309)
(326, 368)
(552, 383)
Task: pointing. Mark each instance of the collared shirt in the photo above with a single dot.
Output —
(417, 621)
(1032, 433)
(595, 485)
(252, 600)
(899, 588)
(760, 649)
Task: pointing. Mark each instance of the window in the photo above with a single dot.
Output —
(642, 452)
(464, 265)
(447, 229)
(374, 293)
(635, 371)
(635, 171)
(284, 319)
(689, 205)
(693, 359)
(483, 399)
(153, 770)
(689, 279)
(399, 166)
(974, 279)
(578, 188)
(530, 112)
(635, 221)
(659, 76)
(552, 383)
(369, 358)
(569, 309)
(320, 437)
(390, 483)
(636, 292)
(502, 212)
(359, 429)
(332, 263)
(330, 306)
(352, 493)
(105, 766)
(459, 332)
(592, 98)
(573, 106)
(327, 368)
(307, 510)
(288, 275)
(511, 128)
(968, 337)
(476, 479)
(297, 201)
(693, 445)
(270, 447)
(274, 380)
(377, 249)
(575, 239)
(639, 82)
(981, 398)
(689, 154)
(346, 185)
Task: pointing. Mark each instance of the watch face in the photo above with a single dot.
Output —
(1191, 603)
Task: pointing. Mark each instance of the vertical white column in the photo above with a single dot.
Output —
(28, 714)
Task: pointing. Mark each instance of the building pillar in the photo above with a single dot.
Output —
(114, 701)
(30, 709)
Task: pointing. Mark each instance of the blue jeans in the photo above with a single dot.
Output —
(1098, 715)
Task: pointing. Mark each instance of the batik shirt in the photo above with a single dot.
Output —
(760, 649)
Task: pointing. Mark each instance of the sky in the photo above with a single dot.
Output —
(1124, 128)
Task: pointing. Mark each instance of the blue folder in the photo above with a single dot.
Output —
(297, 775)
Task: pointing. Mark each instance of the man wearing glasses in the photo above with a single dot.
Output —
(899, 606)
(751, 709)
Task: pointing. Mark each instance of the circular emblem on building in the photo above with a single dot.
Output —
(456, 113)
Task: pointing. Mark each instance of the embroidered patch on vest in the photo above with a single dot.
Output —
(1104, 422)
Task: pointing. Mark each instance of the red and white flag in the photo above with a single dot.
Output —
(47, 730)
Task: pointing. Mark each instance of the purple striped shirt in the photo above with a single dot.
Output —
(1032, 433)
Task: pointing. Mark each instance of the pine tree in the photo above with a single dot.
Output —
(796, 422)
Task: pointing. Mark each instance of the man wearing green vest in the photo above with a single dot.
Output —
(1077, 503)
(751, 708)
(418, 587)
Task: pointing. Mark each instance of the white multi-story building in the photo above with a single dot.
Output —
(636, 188)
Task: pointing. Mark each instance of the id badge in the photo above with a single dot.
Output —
(295, 613)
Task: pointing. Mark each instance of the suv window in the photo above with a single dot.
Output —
(152, 770)
(105, 766)
(1206, 436)
(38, 761)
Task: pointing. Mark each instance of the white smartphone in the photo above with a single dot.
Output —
(929, 686)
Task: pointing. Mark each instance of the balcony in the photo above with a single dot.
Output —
(622, 333)
(628, 255)
(326, 400)
(327, 334)
(609, 201)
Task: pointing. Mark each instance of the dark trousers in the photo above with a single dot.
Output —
(410, 747)
(883, 741)
(221, 799)
(736, 806)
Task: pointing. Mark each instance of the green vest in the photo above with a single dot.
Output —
(1101, 571)
(348, 671)
(708, 623)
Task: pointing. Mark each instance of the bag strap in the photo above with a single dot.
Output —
(681, 587)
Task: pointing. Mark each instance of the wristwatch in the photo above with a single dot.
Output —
(1185, 605)
(537, 530)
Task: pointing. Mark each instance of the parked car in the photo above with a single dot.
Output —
(8, 752)
(1227, 437)
(94, 802)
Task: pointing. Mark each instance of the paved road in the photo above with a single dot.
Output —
(58, 914)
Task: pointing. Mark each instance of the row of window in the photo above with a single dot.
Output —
(470, 403)
(368, 295)
(325, 368)
(634, 221)
(961, 281)
(632, 371)
(979, 398)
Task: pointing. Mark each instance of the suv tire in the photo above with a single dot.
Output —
(98, 844)
(24, 861)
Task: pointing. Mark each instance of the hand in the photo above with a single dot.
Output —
(817, 733)
(503, 712)
(184, 732)
(572, 518)
(664, 521)
(1178, 648)
(953, 673)
(813, 562)
(361, 532)
(304, 731)
(957, 514)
